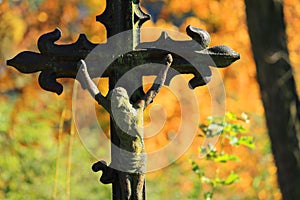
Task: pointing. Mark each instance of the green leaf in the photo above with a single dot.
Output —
(214, 130)
(232, 178)
(230, 116)
(247, 141)
(206, 180)
(223, 157)
(196, 168)
(233, 140)
(210, 119)
(202, 150)
(203, 128)
(208, 195)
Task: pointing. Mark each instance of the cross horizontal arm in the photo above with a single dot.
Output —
(61, 61)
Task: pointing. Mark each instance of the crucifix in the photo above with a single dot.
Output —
(126, 172)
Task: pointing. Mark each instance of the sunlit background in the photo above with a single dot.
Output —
(43, 158)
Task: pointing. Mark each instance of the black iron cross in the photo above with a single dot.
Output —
(61, 61)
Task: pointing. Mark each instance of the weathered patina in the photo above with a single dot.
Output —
(128, 120)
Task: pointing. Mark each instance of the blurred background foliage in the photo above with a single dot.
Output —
(43, 158)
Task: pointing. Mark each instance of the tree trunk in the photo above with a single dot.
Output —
(278, 91)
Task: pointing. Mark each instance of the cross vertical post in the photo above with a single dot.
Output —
(120, 16)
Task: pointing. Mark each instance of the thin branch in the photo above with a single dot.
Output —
(69, 161)
(86, 82)
(60, 133)
(158, 82)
